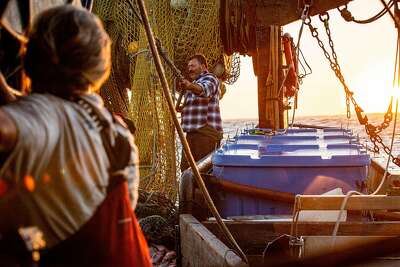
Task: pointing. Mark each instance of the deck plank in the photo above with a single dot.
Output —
(364, 202)
(257, 233)
(200, 248)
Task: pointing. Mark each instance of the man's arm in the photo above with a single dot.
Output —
(8, 132)
(195, 88)
(209, 85)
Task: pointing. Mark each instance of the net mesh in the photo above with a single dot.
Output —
(184, 27)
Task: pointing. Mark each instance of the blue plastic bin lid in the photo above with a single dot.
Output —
(300, 131)
(295, 139)
(278, 155)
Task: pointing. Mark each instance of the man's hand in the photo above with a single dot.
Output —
(179, 109)
(183, 85)
(186, 85)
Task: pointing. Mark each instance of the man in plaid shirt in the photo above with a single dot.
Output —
(201, 119)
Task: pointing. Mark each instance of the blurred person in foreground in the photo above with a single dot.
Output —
(68, 167)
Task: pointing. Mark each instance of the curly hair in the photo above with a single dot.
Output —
(68, 52)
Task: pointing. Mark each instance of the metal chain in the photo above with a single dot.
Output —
(371, 130)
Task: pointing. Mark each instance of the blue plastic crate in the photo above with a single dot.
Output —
(295, 164)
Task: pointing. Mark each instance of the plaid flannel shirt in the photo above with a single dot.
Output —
(201, 110)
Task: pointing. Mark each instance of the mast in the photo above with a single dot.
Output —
(262, 20)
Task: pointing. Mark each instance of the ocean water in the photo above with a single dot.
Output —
(234, 126)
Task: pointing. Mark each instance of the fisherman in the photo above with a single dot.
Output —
(201, 119)
(70, 170)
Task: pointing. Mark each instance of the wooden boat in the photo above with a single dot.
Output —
(202, 243)
(269, 240)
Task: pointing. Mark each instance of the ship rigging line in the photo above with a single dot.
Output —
(347, 16)
(304, 16)
(186, 148)
(350, 193)
(396, 78)
(395, 18)
(296, 208)
(301, 76)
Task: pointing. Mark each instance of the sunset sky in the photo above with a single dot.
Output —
(366, 54)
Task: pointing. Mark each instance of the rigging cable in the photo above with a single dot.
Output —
(301, 76)
(383, 180)
(347, 16)
(396, 74)
(395, 18)
(304, 16)
(350, 193)
(372, 130)
(396, 78)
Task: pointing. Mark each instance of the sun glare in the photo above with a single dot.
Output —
(395, 92)
(373, 90)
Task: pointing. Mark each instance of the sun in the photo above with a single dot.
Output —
(373, 89)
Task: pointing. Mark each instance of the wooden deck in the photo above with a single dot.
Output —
(202, 244)
(201, 248)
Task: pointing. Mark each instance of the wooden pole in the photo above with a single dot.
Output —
(186, 148)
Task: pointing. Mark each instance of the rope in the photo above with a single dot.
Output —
(283, 82)
(188, 153)
(295, 217)
(350, 193)
(294, 113)
(342, 206)
(296, 208)
(396, 77)
(347, 16)
(396, 73)
(395, 19)
(301, 76)
(389, 156)
(304, 16)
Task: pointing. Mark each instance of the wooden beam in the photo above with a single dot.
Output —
(250, 234)
(273, 99)
(261, 68)
(315, 245)
(262, 96)
(200, 247)
(374, 253)
(375, 174)
(282, 12)
(376, 202)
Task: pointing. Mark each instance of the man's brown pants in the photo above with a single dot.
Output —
(201, 145)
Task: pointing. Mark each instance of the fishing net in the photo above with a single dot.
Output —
(184, 27)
